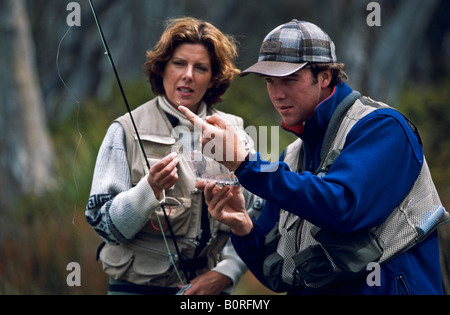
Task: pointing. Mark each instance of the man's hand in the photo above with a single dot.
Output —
(163, 174)
(227, 205)
(219, 139)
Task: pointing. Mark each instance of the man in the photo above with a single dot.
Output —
(350, 207)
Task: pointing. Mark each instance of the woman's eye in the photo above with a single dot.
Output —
(202, 68)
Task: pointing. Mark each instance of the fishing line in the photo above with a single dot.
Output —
(80, 135)
(146, 161)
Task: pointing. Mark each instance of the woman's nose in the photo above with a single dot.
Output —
(188, 74)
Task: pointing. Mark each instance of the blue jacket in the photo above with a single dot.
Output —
(378, 166)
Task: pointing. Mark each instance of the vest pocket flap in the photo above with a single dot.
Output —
(116, 260)
(116, 256)
(351, 252)
(179, 214)
(150, 264)
(122, 261)
(157, 146)
(177, 210)
(178, 202)
(158, 139)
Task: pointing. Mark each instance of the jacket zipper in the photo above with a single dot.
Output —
(402, 288)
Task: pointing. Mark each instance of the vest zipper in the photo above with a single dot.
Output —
(298, 236)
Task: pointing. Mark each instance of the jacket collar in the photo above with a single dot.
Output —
(322, 114)
(313, 130)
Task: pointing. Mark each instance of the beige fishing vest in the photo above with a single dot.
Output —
(144, 259)
(306, 255)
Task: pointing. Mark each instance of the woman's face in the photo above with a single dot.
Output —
(188, 76)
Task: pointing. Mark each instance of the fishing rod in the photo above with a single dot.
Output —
(147, 163)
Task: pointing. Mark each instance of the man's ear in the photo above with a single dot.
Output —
(325, 78)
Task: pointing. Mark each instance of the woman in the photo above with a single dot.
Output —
(191, 65)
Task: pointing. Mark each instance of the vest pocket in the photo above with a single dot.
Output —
(273, 269)
(351, 252)
(139, 266)
(151, 265)
(273, 263)
(157, 146)
(312, 264)
(177, 210)
(116, 260)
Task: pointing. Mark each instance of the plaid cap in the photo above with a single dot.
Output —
(290, 46)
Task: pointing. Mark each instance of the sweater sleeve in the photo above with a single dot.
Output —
(116, 210)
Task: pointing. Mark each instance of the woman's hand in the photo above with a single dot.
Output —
(209, 283)
(227, 205)
(163, 174)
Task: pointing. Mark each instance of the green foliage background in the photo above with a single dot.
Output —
(43, 234)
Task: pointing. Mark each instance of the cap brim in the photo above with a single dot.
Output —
(274, 68)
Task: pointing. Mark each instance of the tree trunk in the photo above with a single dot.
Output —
(26, 164)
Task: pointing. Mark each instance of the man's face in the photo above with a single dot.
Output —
(296, 96)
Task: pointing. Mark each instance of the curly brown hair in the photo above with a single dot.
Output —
(222, 49)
